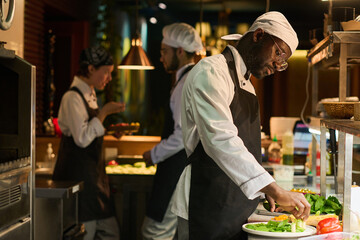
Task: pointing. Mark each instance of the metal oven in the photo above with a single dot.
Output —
(17, 141)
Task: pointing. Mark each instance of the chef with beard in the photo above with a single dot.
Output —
(221, 185)
(178, 48)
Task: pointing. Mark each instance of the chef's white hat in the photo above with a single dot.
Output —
(182, 35)
(231, 37)
(276, 24)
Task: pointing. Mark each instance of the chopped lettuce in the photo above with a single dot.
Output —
(274, 226)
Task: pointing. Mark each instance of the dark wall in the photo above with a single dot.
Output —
(302, 14)
(37, 14)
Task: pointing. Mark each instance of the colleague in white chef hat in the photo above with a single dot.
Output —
(223, 180)
(178, 48)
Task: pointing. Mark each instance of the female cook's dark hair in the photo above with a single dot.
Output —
(96, 56)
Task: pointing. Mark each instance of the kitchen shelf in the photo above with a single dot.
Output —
(347, 130)
(328, 50)
(340, 49)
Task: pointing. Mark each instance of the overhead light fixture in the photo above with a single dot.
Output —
(162, 6)
(136, 58)
(153, 20)
(204, 29)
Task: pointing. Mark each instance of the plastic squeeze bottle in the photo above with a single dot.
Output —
(288, 148)
(274, 151)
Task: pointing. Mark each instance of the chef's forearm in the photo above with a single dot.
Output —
(273, 190)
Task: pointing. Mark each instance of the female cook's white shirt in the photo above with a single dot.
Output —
(206, 116)
(174, 143)
(73, 118)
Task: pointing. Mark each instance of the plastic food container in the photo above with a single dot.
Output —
(334, 236)
(283, 172)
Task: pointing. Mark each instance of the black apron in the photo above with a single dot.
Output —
(168, 171)
(217, 206)
(85, 164)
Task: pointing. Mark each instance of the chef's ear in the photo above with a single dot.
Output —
(179, 50)
(258, 34)
(91, 68)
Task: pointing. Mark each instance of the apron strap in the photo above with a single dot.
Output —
(231, 65)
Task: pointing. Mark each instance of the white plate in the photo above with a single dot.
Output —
(308, 231)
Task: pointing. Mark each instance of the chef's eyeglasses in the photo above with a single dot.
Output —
(280, 57)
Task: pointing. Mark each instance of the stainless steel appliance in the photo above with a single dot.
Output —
(17, 141)
(57, 209)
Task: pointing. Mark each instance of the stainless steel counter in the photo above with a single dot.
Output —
(56, 215)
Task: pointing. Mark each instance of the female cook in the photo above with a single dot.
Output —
(79, 157)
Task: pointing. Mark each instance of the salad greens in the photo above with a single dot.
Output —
(283, 226)
(321, 205)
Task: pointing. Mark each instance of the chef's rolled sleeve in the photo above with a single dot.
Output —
(252, 188)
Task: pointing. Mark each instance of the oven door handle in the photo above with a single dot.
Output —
(14, 227)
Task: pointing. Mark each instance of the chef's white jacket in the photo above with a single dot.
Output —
(73, 118)
(174, 143)
(206, 116)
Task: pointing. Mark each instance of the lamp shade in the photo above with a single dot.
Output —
(136, 58)
(203, 28)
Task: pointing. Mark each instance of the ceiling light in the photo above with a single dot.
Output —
(136, 58)
(162, 6)
(153, 20)
(203, 28)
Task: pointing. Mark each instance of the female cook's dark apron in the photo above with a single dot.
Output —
(168, 171)
(217, 207)
(84, 164)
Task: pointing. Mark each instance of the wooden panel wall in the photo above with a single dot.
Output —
(34, 50)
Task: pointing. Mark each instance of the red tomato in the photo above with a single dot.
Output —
(112, 162)
(328, 225)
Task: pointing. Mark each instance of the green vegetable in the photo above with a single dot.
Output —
(266, 205)
(320, 205)
(273, 226)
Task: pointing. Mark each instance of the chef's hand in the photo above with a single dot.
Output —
(272, 203)
(292, 202)
(147, 158)
(110, 108)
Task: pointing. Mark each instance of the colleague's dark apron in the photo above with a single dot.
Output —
(84, 164)
(168, 171)
(217, 207)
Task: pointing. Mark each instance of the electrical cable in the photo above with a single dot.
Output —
(307, 100)
(307, 95)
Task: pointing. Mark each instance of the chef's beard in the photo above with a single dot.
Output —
(256, 62)
(174, 64)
